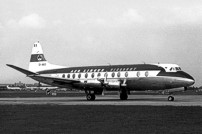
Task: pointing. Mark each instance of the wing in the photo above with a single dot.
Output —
(45, 79)
(54, 80)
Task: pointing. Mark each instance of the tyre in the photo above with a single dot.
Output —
(92, 96)
(88, 97)
(170, 98)
(123, 96)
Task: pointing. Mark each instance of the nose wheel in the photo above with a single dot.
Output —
(170, 98)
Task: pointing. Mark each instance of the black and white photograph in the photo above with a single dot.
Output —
(101, 66)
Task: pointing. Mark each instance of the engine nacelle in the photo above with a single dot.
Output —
(114, 84)
(92, 84)
(109, 85)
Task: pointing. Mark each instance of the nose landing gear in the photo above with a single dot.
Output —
(170, 98)
(89, 95)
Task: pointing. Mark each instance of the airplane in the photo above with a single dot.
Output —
(96, 79)
(40, 87)
(13, 88)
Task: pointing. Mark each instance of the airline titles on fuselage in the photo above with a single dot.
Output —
(102, 70)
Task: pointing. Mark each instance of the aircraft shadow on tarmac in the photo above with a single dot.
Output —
(117, 100)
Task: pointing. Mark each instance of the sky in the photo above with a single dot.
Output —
(101, 32)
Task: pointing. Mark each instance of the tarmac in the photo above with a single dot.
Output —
(133, 100)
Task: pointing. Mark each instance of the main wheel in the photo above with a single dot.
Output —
(123, 96)
(90, 97)
(170, 98)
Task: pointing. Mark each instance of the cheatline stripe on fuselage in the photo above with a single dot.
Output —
(175, 74)
(130, 74)
(176, 78)
(110, 68)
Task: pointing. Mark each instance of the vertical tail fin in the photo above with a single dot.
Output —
(38, 61)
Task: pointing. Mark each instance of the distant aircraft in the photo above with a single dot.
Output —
(13, 88)
(96, 79)
(40, 87)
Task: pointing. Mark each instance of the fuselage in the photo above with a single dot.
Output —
(113, 77)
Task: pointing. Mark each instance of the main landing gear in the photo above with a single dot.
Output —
(123, 94)
(170, 98)
(90, 96)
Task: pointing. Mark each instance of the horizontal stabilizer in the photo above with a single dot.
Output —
(24, 71)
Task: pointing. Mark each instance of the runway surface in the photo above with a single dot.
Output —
(150, 100)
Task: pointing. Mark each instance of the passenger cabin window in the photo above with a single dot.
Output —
(118, 74)
(146, 73)
(138, 74)
(113, 74)
(86, 75)
(98, 75)
(92, 75)
(79, 76)
(73, 76)
(68, 76)
(63, 76)
(126, 74)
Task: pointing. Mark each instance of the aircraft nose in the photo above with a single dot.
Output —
(190, 80)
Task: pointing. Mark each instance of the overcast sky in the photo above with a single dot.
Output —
(98, 32)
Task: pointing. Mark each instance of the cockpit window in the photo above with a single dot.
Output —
(178, 68)
(172, 69)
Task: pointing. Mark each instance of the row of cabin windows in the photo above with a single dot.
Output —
(105, 75)
(102, 70)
